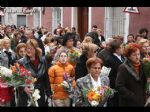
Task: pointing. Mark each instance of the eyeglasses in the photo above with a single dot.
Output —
(30, 48)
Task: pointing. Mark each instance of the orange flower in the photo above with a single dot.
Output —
(90, 95)
(17, 65)
(96, 97)
(71, 50)
(14, 69)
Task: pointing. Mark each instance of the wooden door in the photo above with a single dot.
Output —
(82, 21)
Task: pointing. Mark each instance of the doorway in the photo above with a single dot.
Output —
(21, 20)
(82, 21)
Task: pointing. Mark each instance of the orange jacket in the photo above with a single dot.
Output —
(56, 73)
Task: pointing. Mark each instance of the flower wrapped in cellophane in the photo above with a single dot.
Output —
(98, 96)
(146, 67)
(68, 84)
(105, 71)
(73, 56)
(16, 76)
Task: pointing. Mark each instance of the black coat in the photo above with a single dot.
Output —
(102, 38)
(80, 68)
(42, 82)
(130, 85)
(104, 54)
(113, 62)
(94, 36)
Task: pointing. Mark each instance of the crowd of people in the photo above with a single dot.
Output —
(47, 56)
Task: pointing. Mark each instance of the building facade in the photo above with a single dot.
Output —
(112, 20)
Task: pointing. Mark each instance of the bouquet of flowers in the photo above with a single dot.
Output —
(33, 97)
(98, 96)
(67, 83)
(73, 56)
(16, 76)
(146, 67)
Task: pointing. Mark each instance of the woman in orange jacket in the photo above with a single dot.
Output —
(58, 73)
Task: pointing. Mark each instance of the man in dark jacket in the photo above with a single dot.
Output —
(94, 36)
(115, 60)
(29, 33)
(105, 53)
(23, 37)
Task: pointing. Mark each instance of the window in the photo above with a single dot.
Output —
(115, 22)
(36, 19)
(21, 20)
(56, 17)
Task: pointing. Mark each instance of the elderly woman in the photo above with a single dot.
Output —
(130, 81)
(36, 64)
(92, 80)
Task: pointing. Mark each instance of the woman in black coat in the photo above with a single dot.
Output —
(131, 80)
(36, 64)
(88, 50)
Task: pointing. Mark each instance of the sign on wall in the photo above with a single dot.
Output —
(133, 10)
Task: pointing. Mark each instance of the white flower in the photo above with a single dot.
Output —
(65, 84)
(36, 95)
(94, 103)
(5, 71)
(105, 71)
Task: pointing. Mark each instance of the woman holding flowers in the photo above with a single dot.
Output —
(36, 64)
(92, 80)
(67, 45)
(61, 77)
(130, 81)
(7, 58)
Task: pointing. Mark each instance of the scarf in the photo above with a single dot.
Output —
(137, 67)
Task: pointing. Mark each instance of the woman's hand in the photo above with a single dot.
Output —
(27, 90)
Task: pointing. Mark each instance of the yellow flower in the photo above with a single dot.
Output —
(34, 80)
(96, 97)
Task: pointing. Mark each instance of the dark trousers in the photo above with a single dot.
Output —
(114, 101)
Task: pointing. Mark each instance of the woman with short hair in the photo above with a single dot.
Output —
(91, 81)
(131, 80)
